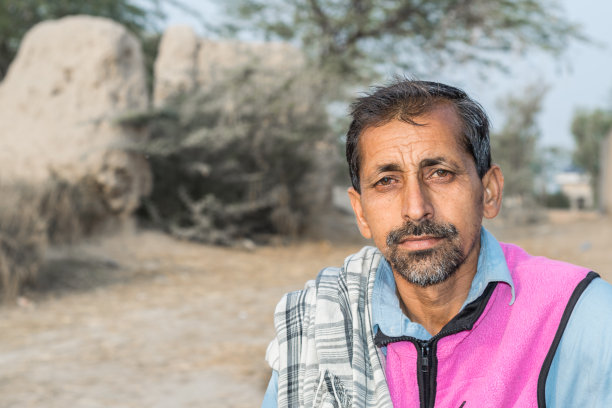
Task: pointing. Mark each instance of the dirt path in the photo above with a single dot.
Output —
(173, 324)
(183, 325)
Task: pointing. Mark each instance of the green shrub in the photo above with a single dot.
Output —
(557, 200)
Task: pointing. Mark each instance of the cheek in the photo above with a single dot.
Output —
(381, 222)
(468, 214)
(465, 198)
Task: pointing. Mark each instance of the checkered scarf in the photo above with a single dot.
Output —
(324, 351)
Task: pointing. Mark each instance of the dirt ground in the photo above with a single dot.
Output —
(143, 320)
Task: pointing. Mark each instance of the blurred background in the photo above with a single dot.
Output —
(170, 168)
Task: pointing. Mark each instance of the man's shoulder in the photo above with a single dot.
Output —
(334, 284)
(519, 260)
(591, 320)
(581, 372)
(365, 261)
(594, 308)
(590, 324)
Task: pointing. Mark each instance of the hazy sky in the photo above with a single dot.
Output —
(582, 78)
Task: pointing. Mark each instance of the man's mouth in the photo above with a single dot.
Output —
(420, 237)
(420, 242)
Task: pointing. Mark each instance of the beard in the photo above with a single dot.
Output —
(430, 266)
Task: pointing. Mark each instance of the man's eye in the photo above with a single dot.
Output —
(441, 173)
(385, 181)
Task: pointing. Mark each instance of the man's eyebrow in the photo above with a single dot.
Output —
(383, 168)
(434, 161)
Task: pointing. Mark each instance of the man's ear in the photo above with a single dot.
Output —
(493, 183)
(359, 215)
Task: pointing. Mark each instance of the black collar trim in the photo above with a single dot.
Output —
(464, 320)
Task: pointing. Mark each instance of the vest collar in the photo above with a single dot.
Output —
(387, 314)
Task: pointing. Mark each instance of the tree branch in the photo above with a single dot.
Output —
(321, 18)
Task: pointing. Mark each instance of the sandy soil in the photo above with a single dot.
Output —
(143, 320)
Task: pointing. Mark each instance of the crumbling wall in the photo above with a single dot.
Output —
(58, 104)
(74, 77)
(186, 61)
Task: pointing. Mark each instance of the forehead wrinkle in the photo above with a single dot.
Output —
(390, 151)
(399, 150)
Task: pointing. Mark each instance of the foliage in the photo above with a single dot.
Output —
(150, 47)
(232, 160)
(557, 200)
(18, 16)
(551, 160)
(352, 37)
(514, 146)
(589, 129)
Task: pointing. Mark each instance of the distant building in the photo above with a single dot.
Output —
(576, 186)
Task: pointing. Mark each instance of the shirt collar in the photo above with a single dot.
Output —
(387, 314)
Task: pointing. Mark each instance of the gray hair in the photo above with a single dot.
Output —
(406, 100)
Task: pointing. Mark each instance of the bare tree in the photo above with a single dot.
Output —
(589, 129)
(514, 146)
(354, 37)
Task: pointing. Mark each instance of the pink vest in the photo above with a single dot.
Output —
(508, 350)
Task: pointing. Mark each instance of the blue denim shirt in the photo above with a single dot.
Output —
(571, 382)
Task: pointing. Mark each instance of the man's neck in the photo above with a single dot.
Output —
(434, 306)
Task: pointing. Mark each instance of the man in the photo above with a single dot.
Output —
(439, 313)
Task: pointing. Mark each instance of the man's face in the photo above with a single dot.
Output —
(421, 200)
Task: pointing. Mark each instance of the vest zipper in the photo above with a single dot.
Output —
(427, 365)
(424, 368)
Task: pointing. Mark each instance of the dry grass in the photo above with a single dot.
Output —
(23, 237)
(72, 210)
(31, 217)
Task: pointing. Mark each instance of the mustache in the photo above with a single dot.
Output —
(427, 227)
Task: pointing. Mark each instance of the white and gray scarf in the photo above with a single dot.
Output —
(324, 350)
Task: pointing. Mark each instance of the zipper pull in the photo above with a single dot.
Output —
(425, 359)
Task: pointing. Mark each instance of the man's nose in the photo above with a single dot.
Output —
(416, 203)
